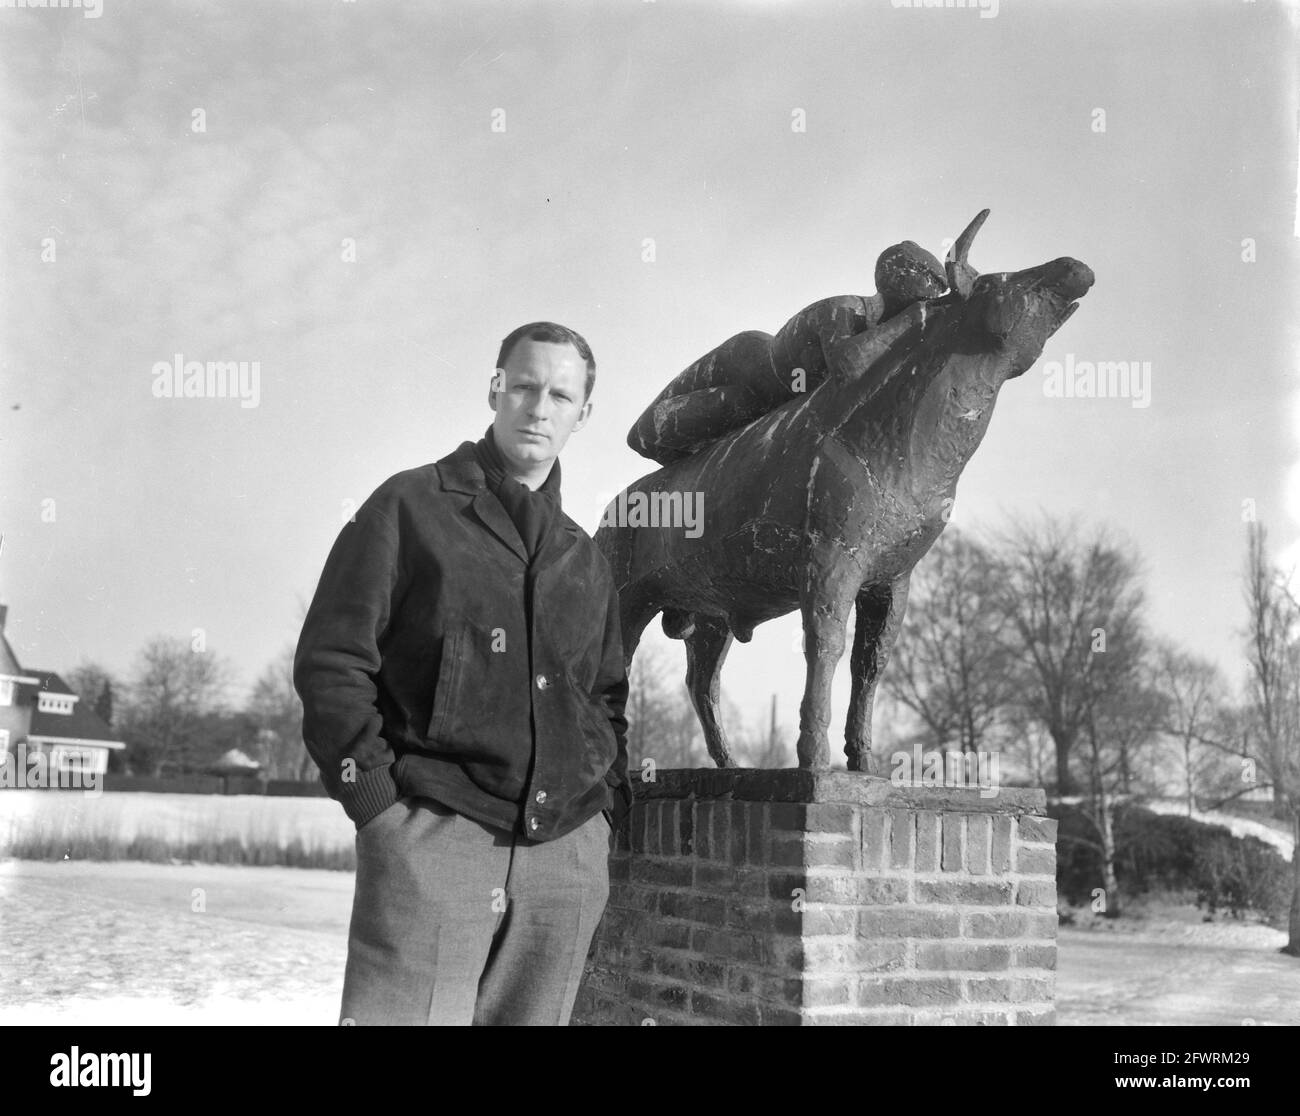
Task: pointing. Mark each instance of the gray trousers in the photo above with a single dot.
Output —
(456, 923)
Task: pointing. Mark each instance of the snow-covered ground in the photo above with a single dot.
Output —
(127, 942)
(1237, 826)
(1166, 966)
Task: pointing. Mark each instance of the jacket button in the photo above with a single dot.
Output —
(541, 796)
(532, 823)
(542, 681)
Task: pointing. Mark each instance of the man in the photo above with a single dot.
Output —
(463, 690)
(751, 374)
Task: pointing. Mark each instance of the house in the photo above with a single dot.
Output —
(39, 711)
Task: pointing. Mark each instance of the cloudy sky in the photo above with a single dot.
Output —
(196, 179)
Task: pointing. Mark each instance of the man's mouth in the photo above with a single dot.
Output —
(532, 433)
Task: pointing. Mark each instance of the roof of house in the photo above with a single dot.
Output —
(51, 683)
(234, 761)
(8, 660)
(83, 723)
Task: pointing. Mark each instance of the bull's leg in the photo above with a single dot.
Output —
(825, 616)
(706, 650)
(880, 611)
(634, 615)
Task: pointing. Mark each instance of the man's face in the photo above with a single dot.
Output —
(539, 402)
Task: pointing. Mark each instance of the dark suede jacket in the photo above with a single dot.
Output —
(422, 671)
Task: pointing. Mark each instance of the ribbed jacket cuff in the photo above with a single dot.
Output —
(372, 793)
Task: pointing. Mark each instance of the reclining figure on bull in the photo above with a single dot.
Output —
(753, 373)
(826, 461)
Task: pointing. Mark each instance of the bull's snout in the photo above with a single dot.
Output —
(1069, 278)
(1032, 305)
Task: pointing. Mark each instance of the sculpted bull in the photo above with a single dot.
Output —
(827, 503)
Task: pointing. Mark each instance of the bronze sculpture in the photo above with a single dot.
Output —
(826, 503)
(751, 374)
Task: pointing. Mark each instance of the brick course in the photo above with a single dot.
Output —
(796, 898)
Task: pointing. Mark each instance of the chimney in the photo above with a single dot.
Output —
(4, 611)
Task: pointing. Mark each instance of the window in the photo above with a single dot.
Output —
(55, 703)
(6, 693)
(69, 760)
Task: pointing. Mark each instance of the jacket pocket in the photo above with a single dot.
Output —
(444, 693)
(480, 712)
(598, 733)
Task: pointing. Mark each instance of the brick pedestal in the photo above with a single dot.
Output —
(789, 897)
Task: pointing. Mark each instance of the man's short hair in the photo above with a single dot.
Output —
(557, 335)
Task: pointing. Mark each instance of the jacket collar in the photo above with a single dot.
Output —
(461, 472)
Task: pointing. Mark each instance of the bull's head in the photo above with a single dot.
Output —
(1017, 311)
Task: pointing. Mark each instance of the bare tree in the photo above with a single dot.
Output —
(1026, 737)
(764, 748)
(662, 725)
(173, 687)
(1236, 732)
(1273, 655)
(952, 665)
(1121, 721)
(1192, 715)
(275, 706)
(1064, 597)
(95, 685)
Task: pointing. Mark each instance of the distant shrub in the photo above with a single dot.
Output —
(1168, 852)
(159, 850)
(165, 828)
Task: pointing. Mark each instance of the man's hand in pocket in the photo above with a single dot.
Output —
(396, 810)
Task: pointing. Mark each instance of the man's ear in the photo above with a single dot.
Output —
(583, 416)
(498, 384)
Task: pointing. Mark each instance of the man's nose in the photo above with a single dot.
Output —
(541, 404)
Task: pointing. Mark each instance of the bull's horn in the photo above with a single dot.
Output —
(961, 276)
